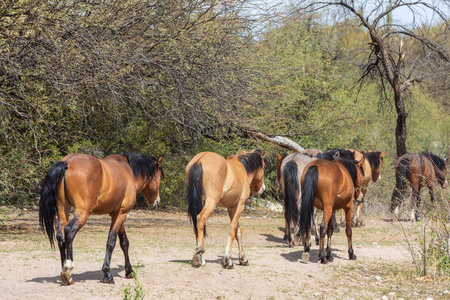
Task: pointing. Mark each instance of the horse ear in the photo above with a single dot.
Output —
(337, 155)
(354, 154)
(279, 156)
(159, 161)
(382, 154)
(263, 154)
(361, 162)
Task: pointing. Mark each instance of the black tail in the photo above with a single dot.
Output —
(48, 201)
(194, 193)
(309, 187)
(400, 186)
(291, 191)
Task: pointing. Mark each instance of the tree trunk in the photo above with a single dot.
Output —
(400, 130)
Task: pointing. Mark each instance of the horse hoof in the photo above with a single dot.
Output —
(323, 261)
(243, 262)
(129, 274)
(228, 266)
(305, 256)
(108, 280)
(198, 261)
(352, 257)
(66, 279)
(285, 237)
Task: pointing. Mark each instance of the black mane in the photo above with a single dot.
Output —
(437, 161)
(373, 158)
(329, 154)
(350, 165)
(251, 161)
(143, 166)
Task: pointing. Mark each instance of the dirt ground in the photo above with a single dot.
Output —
(161, 249)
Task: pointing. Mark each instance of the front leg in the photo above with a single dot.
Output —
(124, 244)
(234, 213)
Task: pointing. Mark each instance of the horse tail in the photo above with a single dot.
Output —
(49, 199)
(400, 185)
(291, 191)
(194, 193)
(309, 187)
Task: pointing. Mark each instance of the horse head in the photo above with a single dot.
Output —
(280, 158)
(151, 189)
(257, 184)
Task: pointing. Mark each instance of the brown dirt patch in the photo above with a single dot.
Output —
(162, 245)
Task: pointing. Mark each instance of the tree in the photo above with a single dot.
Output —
(388, 58)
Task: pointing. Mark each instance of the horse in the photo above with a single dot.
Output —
(225, 182)
(95, 186)
(328, 185)
(417, 170)
(289, 172)
(372, 170)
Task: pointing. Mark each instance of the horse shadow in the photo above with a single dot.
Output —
(274, 239)
(88, 275)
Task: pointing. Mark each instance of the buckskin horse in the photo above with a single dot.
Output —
(95, 186)
(328, 185)
(225, 182)
(417, 170)
(289, 172)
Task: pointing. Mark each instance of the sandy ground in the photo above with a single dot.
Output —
(161, 249)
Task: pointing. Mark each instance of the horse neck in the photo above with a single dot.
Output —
(140, 184)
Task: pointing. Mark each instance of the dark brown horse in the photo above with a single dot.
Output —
(225, 182)
(417, 170)
(328, 185)
(95, 186)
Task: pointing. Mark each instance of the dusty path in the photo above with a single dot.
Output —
(161, 247)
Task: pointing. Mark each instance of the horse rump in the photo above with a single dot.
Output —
(194, 193)
(49, 199)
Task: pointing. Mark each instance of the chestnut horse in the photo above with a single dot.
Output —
(417, 170)
(95, 186)
(328, 185)
(372, 170)
(289, 173)
(225, 182)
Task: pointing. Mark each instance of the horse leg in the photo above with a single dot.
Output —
(335, 224)
(307, 243)
(202, 217)
(342, 218)
(116, 224)
(415, 201)
(286, 230)
(234, 213)
(316, 230)
(348, 231)
(124, 244)
(431, 190)
(327, 215)
(288, 235)
(70, 231)
(242, 260)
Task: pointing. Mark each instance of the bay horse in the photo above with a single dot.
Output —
(417, 170)
(289, 172)
(328, 185)
(95, 186)
(372, 170)
(225, 182)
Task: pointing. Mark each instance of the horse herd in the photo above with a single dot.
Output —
(328, 181)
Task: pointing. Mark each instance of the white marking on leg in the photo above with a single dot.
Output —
(263, 188)
(413, 216)
(396, 211)
(157, 200)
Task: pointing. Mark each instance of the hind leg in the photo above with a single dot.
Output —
(330, 231)
(327, 215)
(202, 217)
(70, 231)
(360, 203)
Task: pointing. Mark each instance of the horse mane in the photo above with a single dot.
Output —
(437, 161)
(373, 158)
(142, 165)
(251, 161)
(350, 165)
(329, 154)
